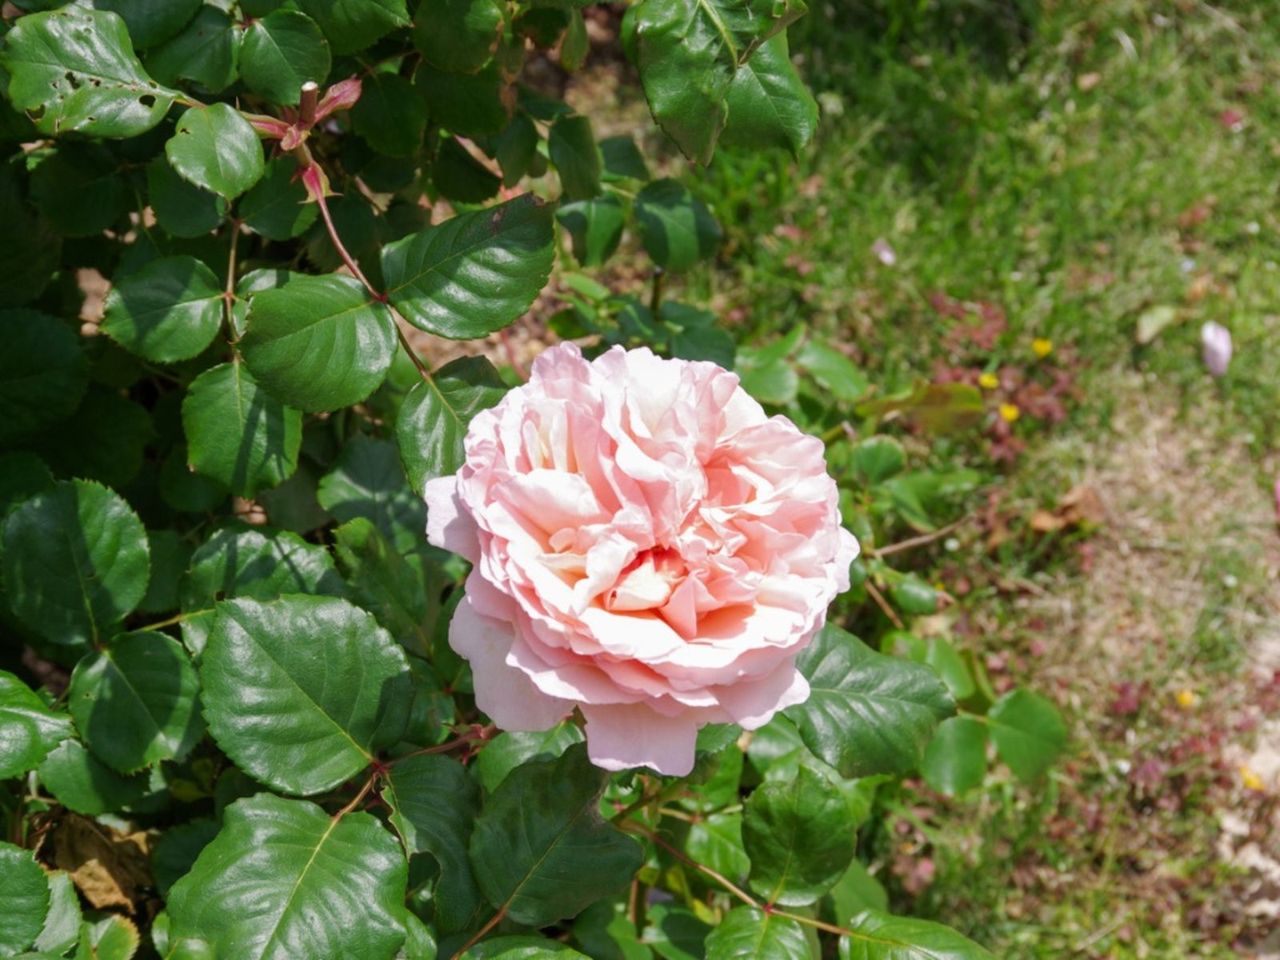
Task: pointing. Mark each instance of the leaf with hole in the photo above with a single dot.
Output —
(75, 70)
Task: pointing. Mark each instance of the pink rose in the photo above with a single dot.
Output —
(647, 545)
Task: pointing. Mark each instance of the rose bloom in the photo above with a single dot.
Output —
(648, 547)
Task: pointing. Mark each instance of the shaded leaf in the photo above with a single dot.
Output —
(28, 728)
(169, 310)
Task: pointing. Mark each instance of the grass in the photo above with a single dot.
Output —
(1075, 166)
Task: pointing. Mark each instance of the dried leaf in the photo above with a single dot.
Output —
(107, 865)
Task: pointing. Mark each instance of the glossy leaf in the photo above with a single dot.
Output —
(301, 691)
(215, 148)
(169, 310)
(75, 561)
(282, 51)
(436, 413)
(283, 880)
(61, 929)
(181, 208)
(237, 433)
(352, 25)
(135, 702)
(459, 35)
(747, 933)
(433, 807)
(540, 850)
(386, 584)
(369, 481)
(390, 115)
(879, 936)
(833, 370)
(768, 103)
(1028, 732)
(24, 891)
(113, 937)
(83, 783)
(799, 836)
(956, 759)
(75, 70)
(511, 748)
(576, 157)
(688, 53)
(474, 273)
(43, 372)
(207, 52)
(28, 728)
(867, 713)
(595, 227)
(522, 948)
(151, 21)
(676, 228)
(318, 343)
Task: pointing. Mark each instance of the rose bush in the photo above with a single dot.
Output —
(649, 546)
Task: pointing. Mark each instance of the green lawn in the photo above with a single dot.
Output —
(1081, 172)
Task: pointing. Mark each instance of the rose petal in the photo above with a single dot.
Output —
(632, 735)
(449, 525)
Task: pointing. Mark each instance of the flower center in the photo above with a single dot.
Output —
(648, 582)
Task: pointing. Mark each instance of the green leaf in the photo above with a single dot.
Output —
(774, 383)
(433, 807)
(576, 157)
(675, 933)
(61, 928)
(30, 249)
(276, 206)
(176, 850)
(856, 891)
(182, 209)
(207, 51)
(104, 440)
(866, 713)
(75, 561)
(676, 227)
(914, 595)
(284, 879)
(170, 555)
(469, 104)
(540, 849)
(352, 25)
(516, 149)
(459, 35)
(169, 310)
(769, 105)
(688, 53)
(595, 227)
(237, 433)
(833, 370)
(368, 481)
(434, 417)
(879, 936)
(214, 147)
(79, 189)
(28, 728)
(82, 783)
(135, 702)
(876, 459)
(43, 372)
(301, 691)
(715, 841)
(459, 176)
(799, 836)
(151, 21)
(280, 53)
(751, 934)
(24, 891)
(1028, 732)
(696, 335)
(522, 948)
(111, 938)
(386, 584)
(623, 159)
(318, 343)
(390, 115)
(75, 69)
(508, 750)
(474, 273)
(22, 474)
(956, 759)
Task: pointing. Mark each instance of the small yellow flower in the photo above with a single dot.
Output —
(1249, 777)
(1009, 412)
(988, 381)
(1186, 698)
(1041, 347)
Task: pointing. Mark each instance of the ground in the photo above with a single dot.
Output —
(1102, 178)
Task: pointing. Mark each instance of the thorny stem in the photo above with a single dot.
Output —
(229, 292)
(342, 251)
